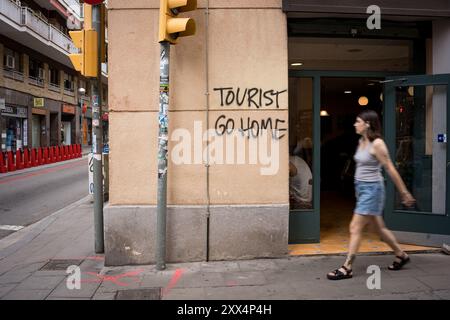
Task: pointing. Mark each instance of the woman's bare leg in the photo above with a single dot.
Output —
(356, 228)
(387, 236)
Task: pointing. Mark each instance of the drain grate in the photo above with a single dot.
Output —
(60, 264)
(139, 294)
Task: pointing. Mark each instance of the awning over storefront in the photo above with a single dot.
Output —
(430, 8)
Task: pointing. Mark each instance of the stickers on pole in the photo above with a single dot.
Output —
(91, 173)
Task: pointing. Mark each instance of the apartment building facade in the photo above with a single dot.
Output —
(39, 88)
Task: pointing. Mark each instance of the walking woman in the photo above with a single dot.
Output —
(371, 154)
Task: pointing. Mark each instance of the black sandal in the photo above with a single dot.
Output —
(339, 275)
(398, 265)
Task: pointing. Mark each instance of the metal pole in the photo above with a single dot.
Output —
(97, 140)
(163, 139)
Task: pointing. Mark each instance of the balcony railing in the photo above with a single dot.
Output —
(11, 10)
(54, 87)
(13, 74)
(69, 92)
(36, 81)
(24, 16)
(35, 23)
(61, 40)
(74, 5)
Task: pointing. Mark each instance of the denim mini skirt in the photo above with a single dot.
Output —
(369, 198)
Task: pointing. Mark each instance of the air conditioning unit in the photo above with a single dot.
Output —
(10, 61)
(41, 73)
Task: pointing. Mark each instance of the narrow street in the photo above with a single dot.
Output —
(30, 195)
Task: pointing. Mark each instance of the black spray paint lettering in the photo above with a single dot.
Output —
(253, 96)
(250, 127)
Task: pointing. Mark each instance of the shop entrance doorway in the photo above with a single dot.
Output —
(332, 76)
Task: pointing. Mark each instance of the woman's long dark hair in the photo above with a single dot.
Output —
(374, 131)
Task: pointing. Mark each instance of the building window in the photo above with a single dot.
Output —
(68, 82)
(54, 79)
(13, 64)
(86, 85)
(36, 72)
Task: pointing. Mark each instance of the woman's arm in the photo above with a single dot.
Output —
(382, 154)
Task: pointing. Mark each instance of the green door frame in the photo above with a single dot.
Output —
(304, 225)
(401, 220)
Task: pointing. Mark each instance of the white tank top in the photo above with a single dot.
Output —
(368, 168)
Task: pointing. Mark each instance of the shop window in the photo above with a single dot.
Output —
(301, 143)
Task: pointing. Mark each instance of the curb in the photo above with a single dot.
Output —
(15, 241)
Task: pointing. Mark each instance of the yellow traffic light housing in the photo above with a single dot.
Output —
(171, 27)
(86, 62)
(78, 58)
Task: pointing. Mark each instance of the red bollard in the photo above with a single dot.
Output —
(66, 152)
(55, 158)
(58, 154)
(50, 155)
(3, 168)
(63, 153)
(40, 160)
(26, 158)
(11, 164)
(33, 158)
(19, 162)
(71, 152)
(45, 155)
(80, 151)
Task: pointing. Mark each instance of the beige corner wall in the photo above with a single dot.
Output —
(247, 49)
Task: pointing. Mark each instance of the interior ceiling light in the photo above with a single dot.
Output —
(363, 101)
(324, 113)
(296, 64)
(347, 92)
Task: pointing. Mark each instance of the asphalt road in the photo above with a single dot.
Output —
(29, 196)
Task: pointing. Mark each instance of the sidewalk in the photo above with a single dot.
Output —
(69, 235)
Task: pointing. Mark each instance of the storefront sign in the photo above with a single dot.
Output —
(39, 111)
(39, 102)
(18, 112)
(68, 109)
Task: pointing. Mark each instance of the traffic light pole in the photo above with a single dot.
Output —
(163, 139)
(98, 138)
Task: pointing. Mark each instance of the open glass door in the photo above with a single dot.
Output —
(304, 158)
(416, 118)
